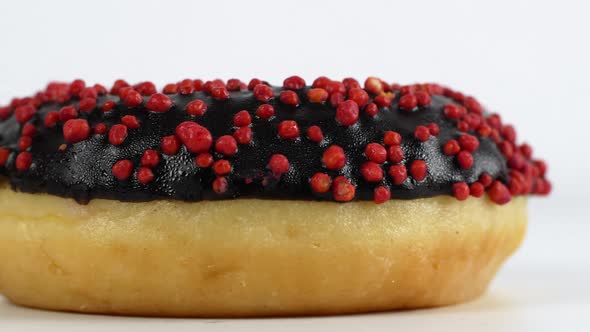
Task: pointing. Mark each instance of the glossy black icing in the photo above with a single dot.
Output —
(83, 170)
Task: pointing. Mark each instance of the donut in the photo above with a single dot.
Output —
(232, 199)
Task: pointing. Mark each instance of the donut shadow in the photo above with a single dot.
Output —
(489, 301)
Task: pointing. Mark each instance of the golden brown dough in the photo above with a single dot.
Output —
(250, 257)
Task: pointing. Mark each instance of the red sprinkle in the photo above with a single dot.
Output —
(542, 186)
(335, 87)
(150, 158)
(24, 142)
(130, 121)
(265, 111)
(371, 171)
(28, 130)
(383, 100)
(219, 92)
(51, 119)
(451, 147)
(186, 87)
(107, 106)
(195, 137)
(220, 185)
(210, 85)
(315, 134)
(499, 193)
(204, 160)
(123, 169)
(158, 102)
(226, 145)
(419, 170)
(24, 113)
(199, 85)
(118, 85)
(317, 95)
(395, 154)
(422, 133)
(334, 158)
(465, 159)
(398, 173)
(4, 154)
(66, 113)
(5, 112)
(540, 164)
(463, 126)
(517, 183)
(517, 161)
(221, 167)
(407, 89)
(294, 83)
(373, 85)
(453, 111)
(170, 145)
(336, 99)
(376, 152)
(372, 109)
(320, 182)
(473, 105)
(476, 189)
(242, 119)
(526, 150)
(76, 87)
(359, 96)
(263, 92)
(347, 113)
(243, 135)
(422, 98)
(343, 190)
(408, 102)
(145, 175)
(473, 120)
(433, 128)
(485, 179)
(461, 191)
(381, 195)
(509, 133)
(87, 104)
(484, 130)
(278, 164)
(289, 97)
(100, 128)
(145, 88)
(253, 83)
(234, 85)
(196, 107)
(468, 142)
(288, 129)
(392, 138)
(117, 134)
(170, 89)
(24, 161)
(351, 83)
(76, 130)
(132, 98)
(495, 120)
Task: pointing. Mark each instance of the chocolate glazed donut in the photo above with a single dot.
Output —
(331, 141)
(231, 199)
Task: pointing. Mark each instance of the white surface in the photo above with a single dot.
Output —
(529, 60)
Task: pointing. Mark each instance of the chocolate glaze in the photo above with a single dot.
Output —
(83, 170)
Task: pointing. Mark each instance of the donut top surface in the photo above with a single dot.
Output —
(194, 140)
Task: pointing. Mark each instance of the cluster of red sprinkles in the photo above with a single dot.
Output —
(385, 165)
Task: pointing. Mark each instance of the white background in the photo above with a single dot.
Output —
(528, 60)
